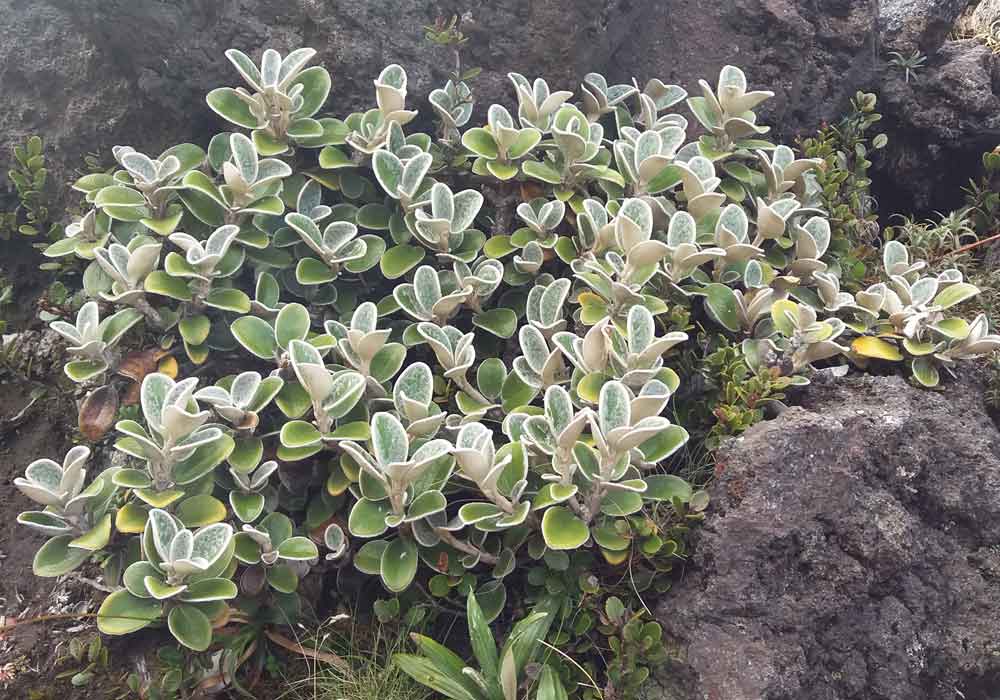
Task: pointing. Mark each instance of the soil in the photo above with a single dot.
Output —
(29, 652)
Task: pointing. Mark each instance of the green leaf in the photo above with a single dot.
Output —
(82, 370)
(723, 306)
(191, 627)
(293, 400)
(955, 294)
(246, 506)
(667, 487)
(332, 158)
(56, 557)
(123, 613)
(299, 433)
(398, 566)
(541, 171)
(480, 142)
(200, 510)
(562, 529)
(483, 645)
(400, 259)
(925, 371)
(194, 329)
(291, 323)
(227, 104)
(315, 84)
(500, 322)
(228, 300)
(209, 590)
(282, 578)
(159, 282)
(498, 246)
(664, 444)
(427, 673)
(204, 460)
(367, 518)
(256, 335)
(298, 549)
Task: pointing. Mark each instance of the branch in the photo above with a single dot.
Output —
(463, 546)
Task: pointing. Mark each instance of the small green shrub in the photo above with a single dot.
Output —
(369, 376)
(29, 176)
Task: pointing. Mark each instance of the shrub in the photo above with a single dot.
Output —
(419, 396)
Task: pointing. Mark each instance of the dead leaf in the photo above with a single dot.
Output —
(136, 365)
(97, 412)
(283, 641)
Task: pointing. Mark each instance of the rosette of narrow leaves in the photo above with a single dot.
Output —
(337, 245)
(273, 548)
(499, 144)
(182, 575)
(727, 112)
(500, 674)
(77, 519)
(599, 98)
(365, 348)
(369, 131)
(240, 400)
(453, 104)
(455, 353)
(83, 236)
(636, 356)
(443, 228)
(553, 434)
(413, 399)
(251, 185)
(285, 97)
(178, 444)
(248, 496)
(332, 395)
(93, 340)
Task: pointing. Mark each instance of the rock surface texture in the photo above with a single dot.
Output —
(88, 74)
(852, 551)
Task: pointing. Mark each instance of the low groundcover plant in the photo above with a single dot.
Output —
(379, 373)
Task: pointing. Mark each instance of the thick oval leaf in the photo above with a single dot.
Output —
(191, 627)
(398, 565)
(561, 529)
(123, 613)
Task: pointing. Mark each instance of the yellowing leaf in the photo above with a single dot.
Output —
(869, 346)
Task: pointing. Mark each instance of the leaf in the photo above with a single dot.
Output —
(722, 305)
(562, 529)
(298, 549)
(194, 329)
(367, 518)
(191, 627)
(96, 538)
(500, 322)
(200, 510)
(398, 565)
(56, 557)
(159, 282)
(870, 346)
(955, 294)
(661, 446)
(97, 412)
(228, 300)
(480, 142)
(123, 613)
(227, 104)
(483, 645)
(400, 259)
(925, 372)
(256, 335)
(667, 487)
(299, 433)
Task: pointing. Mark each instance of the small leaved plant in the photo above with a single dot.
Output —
(457, 356)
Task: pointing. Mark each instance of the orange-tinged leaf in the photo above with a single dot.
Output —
(168, 366)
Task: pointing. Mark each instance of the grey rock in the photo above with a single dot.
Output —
(89, 74)
(908, 25)
(851, 552)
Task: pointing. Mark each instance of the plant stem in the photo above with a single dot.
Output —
(462, 546)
